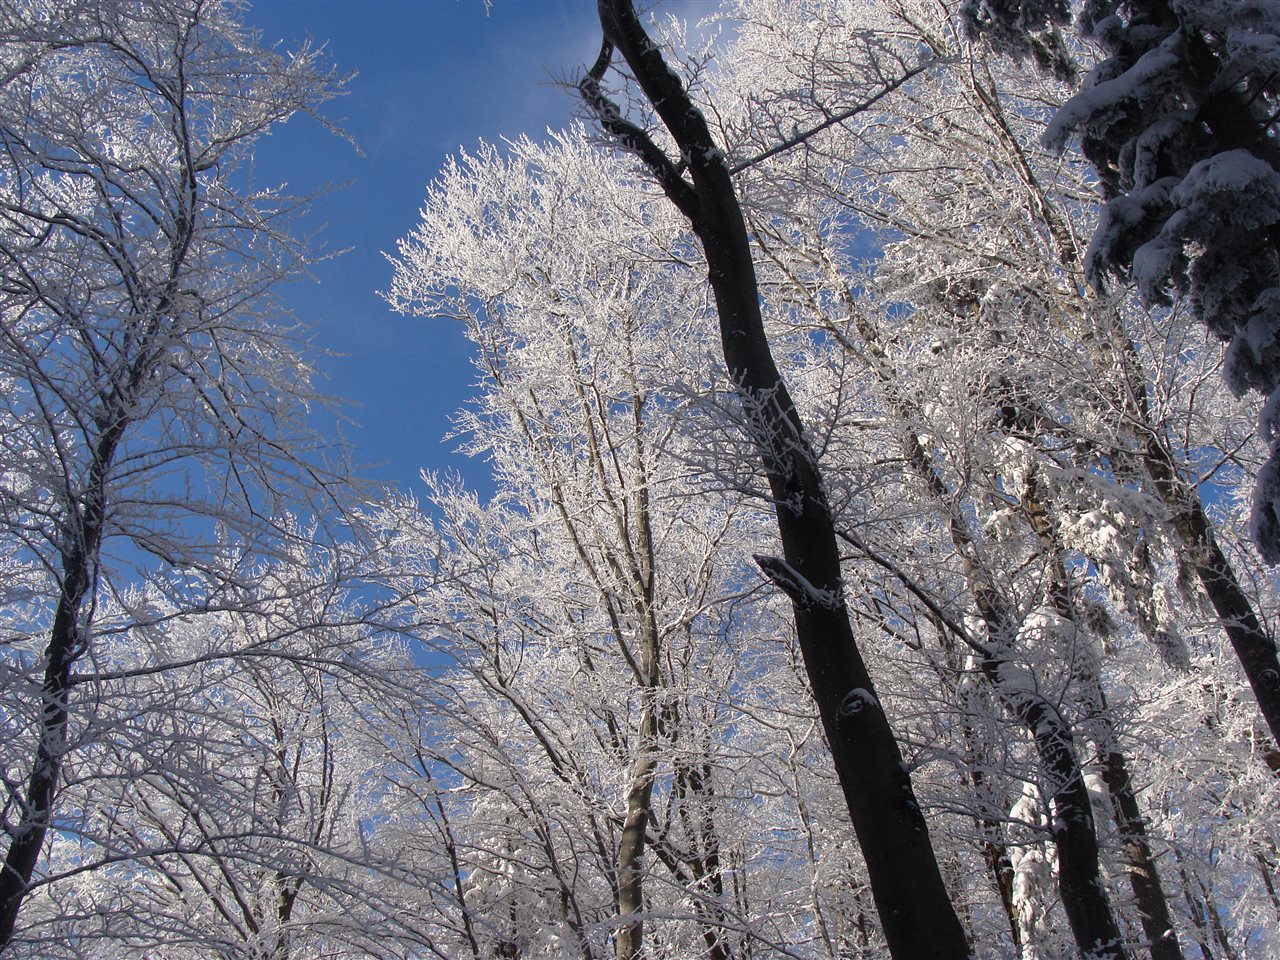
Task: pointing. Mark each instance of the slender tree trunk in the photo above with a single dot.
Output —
(629, 939)
(816, 910)
(711, 878)
(1254, 647)
(1084, 898)
(1198, 914)
(1144, 878)
(994, 842)
(630, 936)
(1231, 121)
(66, 645)
(1252, 643)
(455, 868)
(68, 641)
(995, 852)
(916, 914)
(1267, 871)
(1205, 913)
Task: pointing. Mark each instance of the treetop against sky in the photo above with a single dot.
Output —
(432, 77)
(795, 602)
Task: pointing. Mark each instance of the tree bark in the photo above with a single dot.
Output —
(1231, 121)
(1144, 877)
(916, 915)
(1084, 898)
(66, 645)
(69, 636)
(68, 641)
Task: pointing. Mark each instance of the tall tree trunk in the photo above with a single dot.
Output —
(68, 642)
(916, 914)
(995, 851)
(692, 788)
(1255, 648)
(66, 646)
(629, 939)
(1084, 898)
(1253, 644)
(1144, 877)
(455, 866)
(1083, 894)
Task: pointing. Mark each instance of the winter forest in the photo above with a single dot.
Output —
(882, 404)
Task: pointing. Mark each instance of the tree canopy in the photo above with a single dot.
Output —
(866, 568)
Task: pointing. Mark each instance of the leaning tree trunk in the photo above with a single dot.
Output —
(69, 637)
(916, 914)
(1253, 645)
(1228, 117)
(1084, 897)
(1144, 876)
(68, 642)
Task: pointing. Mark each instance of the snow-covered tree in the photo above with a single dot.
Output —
(153, 392)
(1179, 120)
(589, 607)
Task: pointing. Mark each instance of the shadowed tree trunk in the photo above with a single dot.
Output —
(1084, 899)
(916, 915)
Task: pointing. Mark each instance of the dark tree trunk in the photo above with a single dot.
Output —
(1251, 643)
(68, 641)
(1144, 877)
(1084, 897)
(66, 644)
(916, 914)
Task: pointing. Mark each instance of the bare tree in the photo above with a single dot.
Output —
(915, 910)
(154, 390)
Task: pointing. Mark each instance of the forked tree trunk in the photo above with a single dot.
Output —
(916, 914)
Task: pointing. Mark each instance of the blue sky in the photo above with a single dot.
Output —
(432, 76)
